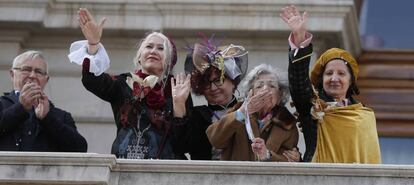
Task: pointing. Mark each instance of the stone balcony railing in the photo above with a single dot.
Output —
(80, 168)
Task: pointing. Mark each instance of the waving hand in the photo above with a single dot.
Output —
(90, 28)
(296, 22)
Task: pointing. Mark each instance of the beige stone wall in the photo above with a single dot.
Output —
(50, 26)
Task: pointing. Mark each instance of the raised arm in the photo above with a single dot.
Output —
(299, 59)
(299, 83)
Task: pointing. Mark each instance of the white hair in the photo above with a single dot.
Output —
(167, 52)
(29, 55)
(263, 69)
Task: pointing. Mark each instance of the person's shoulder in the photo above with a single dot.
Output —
(235, 107)
(56, 110)
(283, 118)
(124, 75)
(201, 108)
(120, 77)
(6, 97)
(201, 112)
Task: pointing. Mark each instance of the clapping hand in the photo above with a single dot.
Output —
(29, 95)
(42, 107)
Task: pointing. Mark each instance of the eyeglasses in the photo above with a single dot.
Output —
(217, 82)
(260, 84)
(26, 70)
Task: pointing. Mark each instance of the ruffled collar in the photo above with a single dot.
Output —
(149, 88)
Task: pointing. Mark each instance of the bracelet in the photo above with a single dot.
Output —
(94, 44)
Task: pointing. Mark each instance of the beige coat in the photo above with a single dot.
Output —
(229, 134)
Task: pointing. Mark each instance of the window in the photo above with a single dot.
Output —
(387, 24)
(397, 150)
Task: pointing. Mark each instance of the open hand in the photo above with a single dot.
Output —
(90, 28)
(296, 22)
(180, 89)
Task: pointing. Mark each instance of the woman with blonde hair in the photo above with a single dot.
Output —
(144, 100)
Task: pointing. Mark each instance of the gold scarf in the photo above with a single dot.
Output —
(348, 135)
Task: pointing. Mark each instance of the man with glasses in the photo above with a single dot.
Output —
(28, 120)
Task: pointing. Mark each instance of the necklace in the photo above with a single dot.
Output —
(139, 133)
(138, 150)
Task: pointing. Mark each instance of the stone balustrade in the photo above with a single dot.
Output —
(89, 168)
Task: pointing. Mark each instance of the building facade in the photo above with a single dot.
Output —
(51, 26)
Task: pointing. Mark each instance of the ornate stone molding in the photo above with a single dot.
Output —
(334, 21)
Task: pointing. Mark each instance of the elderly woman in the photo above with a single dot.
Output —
(141, 100)
(261, 128)
(337, 128)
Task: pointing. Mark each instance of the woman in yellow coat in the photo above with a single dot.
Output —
(337, 128)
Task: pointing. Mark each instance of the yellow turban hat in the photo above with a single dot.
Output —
(333, 53)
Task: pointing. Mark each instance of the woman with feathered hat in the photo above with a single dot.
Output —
(215, 74)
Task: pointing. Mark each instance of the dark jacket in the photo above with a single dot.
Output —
(195, 141)
(22, 131)
(138, 135)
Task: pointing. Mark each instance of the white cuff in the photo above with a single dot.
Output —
(99, 62)
(305, 43)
